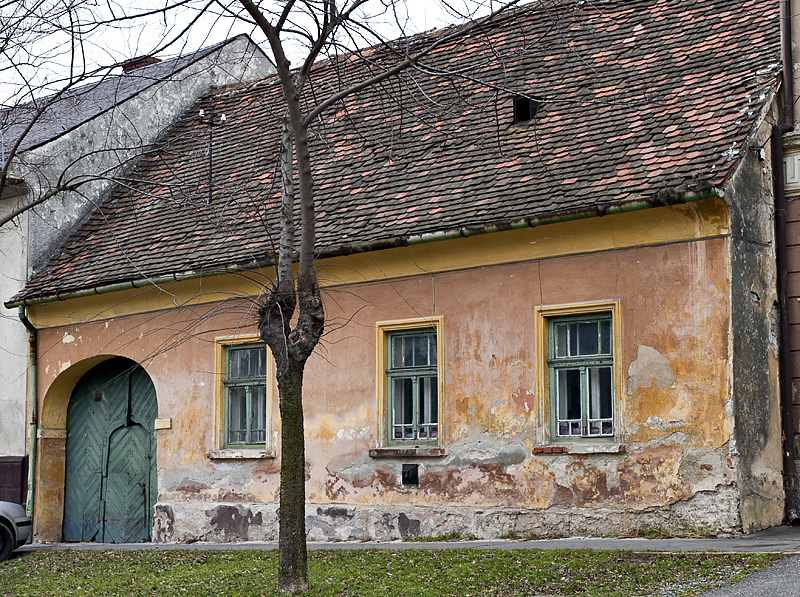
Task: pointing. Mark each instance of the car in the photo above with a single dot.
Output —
(15, 528)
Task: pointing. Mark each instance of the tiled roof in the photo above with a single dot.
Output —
(643, 99)
(80, 104)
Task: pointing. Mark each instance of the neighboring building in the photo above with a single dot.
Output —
(89, 134)
(550, 300)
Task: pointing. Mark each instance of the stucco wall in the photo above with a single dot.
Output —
(678, 467)
(13, 336)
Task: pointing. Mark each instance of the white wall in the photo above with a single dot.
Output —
(13, 336)
(103, 144)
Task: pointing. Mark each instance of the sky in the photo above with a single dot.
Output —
(40, 63)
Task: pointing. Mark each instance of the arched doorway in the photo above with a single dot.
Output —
(110, 484)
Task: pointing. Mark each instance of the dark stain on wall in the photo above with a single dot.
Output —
(752, 289)
(409, 527)
(233, 522)
(335, 512)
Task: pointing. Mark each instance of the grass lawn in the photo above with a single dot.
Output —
(381, 572)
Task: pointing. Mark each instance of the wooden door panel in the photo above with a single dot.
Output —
(110, 486)
(126, 514)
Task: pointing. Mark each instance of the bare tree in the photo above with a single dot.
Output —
(291, 319)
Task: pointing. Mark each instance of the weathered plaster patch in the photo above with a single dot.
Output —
(649, 365)
(487, 451)
(715, 511)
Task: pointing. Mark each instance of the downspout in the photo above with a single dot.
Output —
(32, 398)
(785, 381)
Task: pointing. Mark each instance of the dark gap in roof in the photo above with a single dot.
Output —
(139, 62)
(525, 108)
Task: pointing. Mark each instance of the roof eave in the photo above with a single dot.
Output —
(402, 241)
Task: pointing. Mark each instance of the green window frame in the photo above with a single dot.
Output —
(245, 384)
(412, 380)
(581, 366)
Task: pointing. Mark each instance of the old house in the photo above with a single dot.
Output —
(86, 136)
(549, 269)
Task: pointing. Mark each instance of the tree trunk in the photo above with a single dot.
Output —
(293, 558)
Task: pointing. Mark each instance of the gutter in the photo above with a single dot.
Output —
(32, 400)
(401, 241)
(784, 355)
(579, 214)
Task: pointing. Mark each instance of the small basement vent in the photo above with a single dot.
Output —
(525, 108)
(410, 474)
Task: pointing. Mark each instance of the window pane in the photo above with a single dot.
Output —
(600, 401)
(573, 339)
(397, 352)
(403, 408)
(587, 338)
(605, 337)
(569, 394)
(428, 400)
(428, 408)
(258, 414)
(600, 393)
(561, 340)
(408, 352)
(247, 362)
(420, 351)
(237, 416)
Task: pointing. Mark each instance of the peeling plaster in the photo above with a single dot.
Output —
(650, 365)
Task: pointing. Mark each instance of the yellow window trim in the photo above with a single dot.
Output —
(221, 343)
(382, 329)
(545, 313)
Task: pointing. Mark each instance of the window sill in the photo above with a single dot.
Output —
(407, 452)
(581, 449)
(240, 454)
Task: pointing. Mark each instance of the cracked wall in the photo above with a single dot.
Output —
(672, 463)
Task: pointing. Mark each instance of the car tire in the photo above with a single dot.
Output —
(6, 542)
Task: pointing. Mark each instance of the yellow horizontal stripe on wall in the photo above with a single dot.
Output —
(704, 219)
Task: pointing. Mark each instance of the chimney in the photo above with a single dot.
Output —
(134, 63)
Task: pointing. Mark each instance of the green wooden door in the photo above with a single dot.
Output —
(126, 487)
(110, 481)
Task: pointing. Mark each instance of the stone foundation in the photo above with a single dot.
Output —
(713, 512)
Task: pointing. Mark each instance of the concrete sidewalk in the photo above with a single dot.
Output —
(780, 580)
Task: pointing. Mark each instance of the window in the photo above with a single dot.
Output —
(413, 386)
(410, 383)
(581, 364)
(245, 395)
(525, 109)
(578, 356)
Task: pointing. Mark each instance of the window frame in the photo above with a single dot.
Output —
(224, 346)
(385, 331)
(546, 320)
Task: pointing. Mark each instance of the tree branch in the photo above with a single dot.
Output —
(408, 62)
